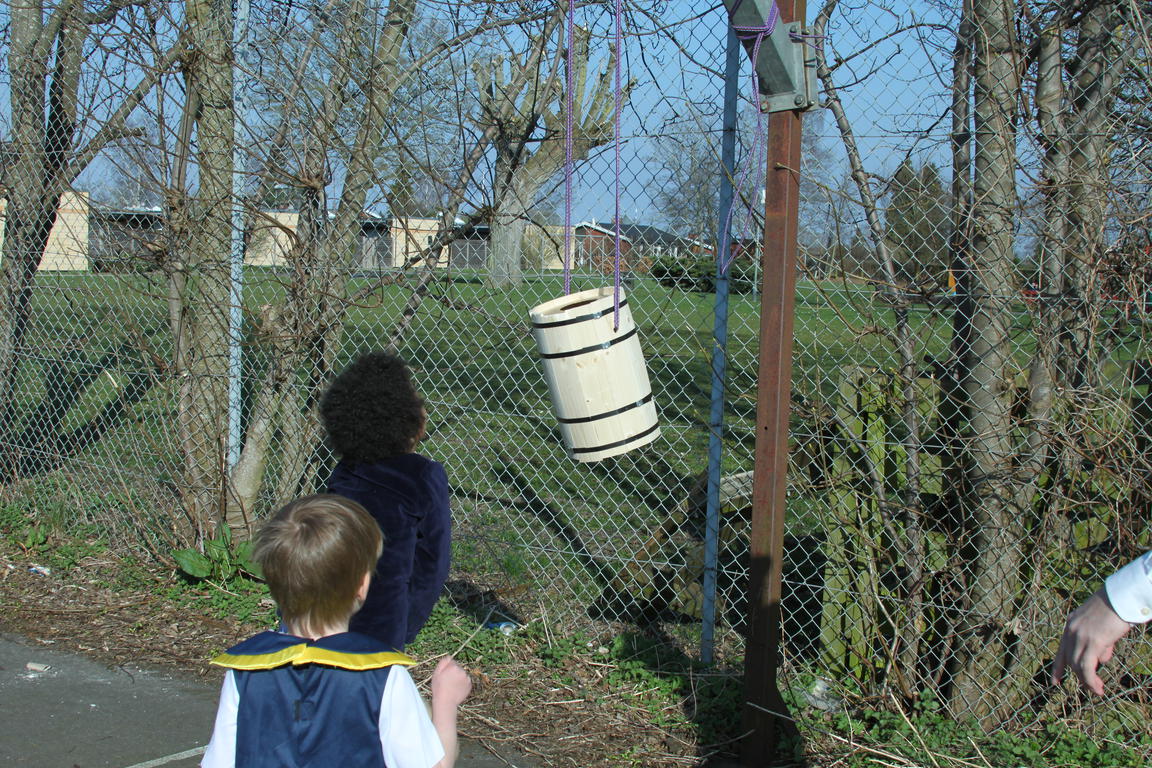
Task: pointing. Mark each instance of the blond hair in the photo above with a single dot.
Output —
(314, 553)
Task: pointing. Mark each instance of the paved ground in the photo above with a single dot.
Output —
(59, 710)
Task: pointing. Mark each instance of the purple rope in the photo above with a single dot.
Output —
(568, 142)
(616, 128)
(757, 35)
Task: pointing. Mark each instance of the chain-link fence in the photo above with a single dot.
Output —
(970, 417)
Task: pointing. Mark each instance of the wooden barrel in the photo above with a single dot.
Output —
(596, 374)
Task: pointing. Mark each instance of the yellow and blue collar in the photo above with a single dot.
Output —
(347, 650)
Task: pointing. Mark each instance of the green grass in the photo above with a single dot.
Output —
(927, 736)
(478, 367)
(491, 420)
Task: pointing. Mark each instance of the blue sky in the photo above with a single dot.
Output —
(893, 94)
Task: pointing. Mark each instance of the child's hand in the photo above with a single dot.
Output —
(450, 683)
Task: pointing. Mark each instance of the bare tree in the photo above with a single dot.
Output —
(340, 113)
(58, 128)
(1011, 454)
(305, 331)
(687, 185)
(525, 102)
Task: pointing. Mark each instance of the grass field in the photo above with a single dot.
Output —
(530, 520)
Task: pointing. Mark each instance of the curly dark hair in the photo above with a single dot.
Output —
(372, 410)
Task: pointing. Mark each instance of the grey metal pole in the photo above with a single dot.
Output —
(719, 347)
(236, 271)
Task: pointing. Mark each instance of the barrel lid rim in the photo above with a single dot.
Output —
(589, 301)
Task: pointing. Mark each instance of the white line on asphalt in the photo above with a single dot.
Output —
(170, 758)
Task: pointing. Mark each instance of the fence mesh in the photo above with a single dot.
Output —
(970, 412)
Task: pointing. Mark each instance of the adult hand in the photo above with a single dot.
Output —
(1090, 636)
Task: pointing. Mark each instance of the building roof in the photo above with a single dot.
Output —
(640, 234)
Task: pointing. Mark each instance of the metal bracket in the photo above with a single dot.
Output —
(785, 66)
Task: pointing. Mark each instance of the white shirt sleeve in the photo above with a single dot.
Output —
(221, 752)
(407, 735)
(1130, 590)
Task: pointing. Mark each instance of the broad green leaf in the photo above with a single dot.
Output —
(244, 559)
(193, 563)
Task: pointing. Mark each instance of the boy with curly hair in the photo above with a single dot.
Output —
(317, 694)
(375, 417)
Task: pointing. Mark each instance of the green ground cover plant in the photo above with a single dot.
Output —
(630, 676)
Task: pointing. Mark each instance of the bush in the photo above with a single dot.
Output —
(698, 274)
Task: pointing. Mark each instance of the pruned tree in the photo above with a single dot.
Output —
(526, 107)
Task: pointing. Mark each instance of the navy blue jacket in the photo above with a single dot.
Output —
(408, 497)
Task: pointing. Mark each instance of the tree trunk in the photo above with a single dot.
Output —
(200, 280)
(991, 548)
(1095, 67)
(34, 193)
(951, 389)
(509, 220)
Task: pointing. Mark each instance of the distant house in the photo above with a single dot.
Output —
(375, 243)
(87, 237)
(125, 240)
(640, 246)
(271, 238)
(273, 235)
(411, 237)
(469, 250)
(469, 244)
(744, 249)
(67, 248)
(541, 248)
(544, 245)
(133, 238)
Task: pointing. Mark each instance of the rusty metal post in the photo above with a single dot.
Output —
(765, 715)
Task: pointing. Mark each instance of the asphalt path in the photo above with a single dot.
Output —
(62, 710)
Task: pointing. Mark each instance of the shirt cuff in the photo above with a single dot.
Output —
(1130, 590)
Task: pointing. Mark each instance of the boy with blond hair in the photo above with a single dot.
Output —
(317, 694)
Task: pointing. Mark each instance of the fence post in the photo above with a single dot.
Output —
(719, 348)
(765, 715)
(236, 263)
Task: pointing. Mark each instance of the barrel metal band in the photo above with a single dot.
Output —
(573, 320)
(618, 443)
(607, 414)
(586, 350)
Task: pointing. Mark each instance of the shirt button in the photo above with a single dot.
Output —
(1145, 611)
